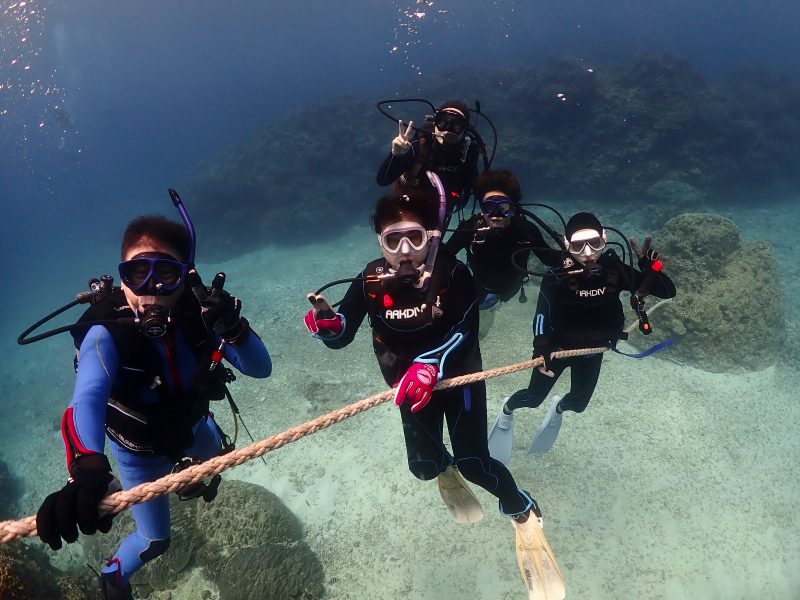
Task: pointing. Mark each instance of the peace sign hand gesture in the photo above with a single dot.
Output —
(401, 144)
(649, 258)
(219, 310)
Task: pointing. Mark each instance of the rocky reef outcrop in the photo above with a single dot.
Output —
(728, 313)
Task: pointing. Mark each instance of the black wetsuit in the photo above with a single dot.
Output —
(582, 312)
(457, 168)
(407, 322)
(489, 254)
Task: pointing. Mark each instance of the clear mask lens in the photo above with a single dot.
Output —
(589, 246)
(392, 240)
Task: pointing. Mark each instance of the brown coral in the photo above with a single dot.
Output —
(727, 314)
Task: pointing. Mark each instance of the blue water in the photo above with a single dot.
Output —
(122, 100)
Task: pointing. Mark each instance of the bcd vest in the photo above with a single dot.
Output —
(164, 428)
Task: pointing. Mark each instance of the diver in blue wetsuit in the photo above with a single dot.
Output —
(147, 388)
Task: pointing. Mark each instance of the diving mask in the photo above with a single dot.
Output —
(449, 126)
(450, 121)
(586, 245)
(497, 207)
(153, 274)
(405, 241)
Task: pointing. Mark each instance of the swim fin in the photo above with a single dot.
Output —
(501, 437)
(546, 435)
(457, 496)
(536, 562)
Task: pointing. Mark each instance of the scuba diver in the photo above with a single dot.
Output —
(148, 363)
(492, 236)
(422, 306)
(579, 307)
(447, 145)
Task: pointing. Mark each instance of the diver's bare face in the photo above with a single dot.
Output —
(138, 303)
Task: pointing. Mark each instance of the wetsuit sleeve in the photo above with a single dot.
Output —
(394, 166)
(250, 356)
(83, 424)
(546, 313)
(462, 309)
(543, 251)
(353, 308)
(461, 237)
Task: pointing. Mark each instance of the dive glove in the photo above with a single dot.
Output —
(321, 321)
(648, 258)
(648, 261)
(75, 505)
(220, 310)
(416, 386)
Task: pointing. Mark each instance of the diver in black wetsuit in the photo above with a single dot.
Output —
(580, 310)
(492, 237)
(448, 148)
(424, 325)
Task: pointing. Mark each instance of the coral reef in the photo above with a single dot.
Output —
(25, 570)
(650, 131)
(25, 573)
(728, 314)
(277, 572)
(246, 541)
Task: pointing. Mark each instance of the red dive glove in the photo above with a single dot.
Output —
(416, 386)
(321, 320)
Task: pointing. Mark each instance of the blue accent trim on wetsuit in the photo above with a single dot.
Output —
(651, 350)
(490, 300)
(430, 357)
(529, 503)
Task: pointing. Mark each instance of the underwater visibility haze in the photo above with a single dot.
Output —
(678, 120)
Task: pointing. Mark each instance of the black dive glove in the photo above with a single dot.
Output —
(220, 310)
(646, 255)
(75, 505)
(647, 259)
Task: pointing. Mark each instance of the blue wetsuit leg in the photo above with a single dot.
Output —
(151, 538)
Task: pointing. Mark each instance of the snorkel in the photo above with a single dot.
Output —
(155, 318)
(436, 238)
(187, 222)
